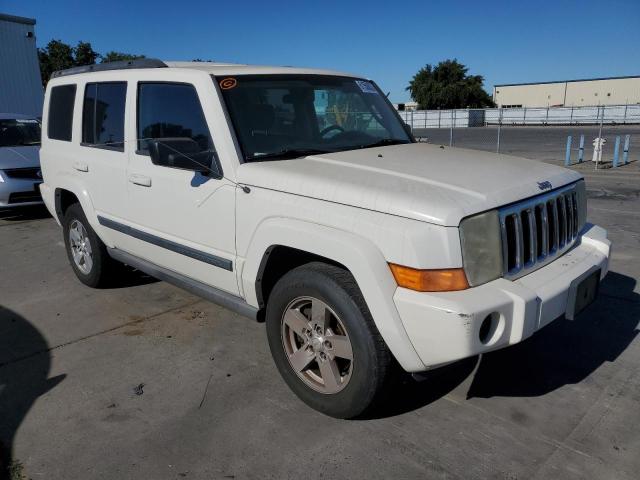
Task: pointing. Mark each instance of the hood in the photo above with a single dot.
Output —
(19, 157)
(439, 185)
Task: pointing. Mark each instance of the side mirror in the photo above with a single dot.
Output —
(183, 153)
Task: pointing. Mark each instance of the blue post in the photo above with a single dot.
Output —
(567, 156)
(616, 151)
(581, 149)
(625, 150)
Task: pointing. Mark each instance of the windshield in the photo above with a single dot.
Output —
(289, 116)
(19, 132)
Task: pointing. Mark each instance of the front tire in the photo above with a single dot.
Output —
(88, 255)
(325, 343)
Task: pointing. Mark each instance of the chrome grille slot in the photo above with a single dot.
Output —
(562, 221)
(534, 232)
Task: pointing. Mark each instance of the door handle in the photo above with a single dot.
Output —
(141, 180)
(81, 166)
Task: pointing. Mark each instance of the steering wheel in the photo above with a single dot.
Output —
(330, 128)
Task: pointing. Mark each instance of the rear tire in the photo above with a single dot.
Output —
(324, 341)
(88, 255)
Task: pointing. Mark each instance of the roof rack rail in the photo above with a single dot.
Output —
(101, 67)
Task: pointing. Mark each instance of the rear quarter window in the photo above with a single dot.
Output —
(60, 119)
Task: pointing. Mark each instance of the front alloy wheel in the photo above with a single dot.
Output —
(317, 345)
(325, 343)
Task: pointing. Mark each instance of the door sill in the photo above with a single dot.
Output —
(215, 295)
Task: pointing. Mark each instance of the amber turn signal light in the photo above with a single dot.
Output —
(444, 280)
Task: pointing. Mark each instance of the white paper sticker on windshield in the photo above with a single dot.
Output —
(366, 87)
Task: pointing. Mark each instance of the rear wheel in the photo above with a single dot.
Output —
(324, 341)
(88, 255)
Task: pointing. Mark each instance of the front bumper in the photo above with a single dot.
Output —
(444, 327)
(17, 192)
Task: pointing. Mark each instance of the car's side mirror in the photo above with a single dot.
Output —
(183, 153)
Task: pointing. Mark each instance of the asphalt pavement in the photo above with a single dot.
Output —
(146, 381)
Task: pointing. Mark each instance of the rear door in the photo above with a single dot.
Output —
(180, 219)
(100, 158)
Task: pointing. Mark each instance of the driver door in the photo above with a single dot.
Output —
(181, 218)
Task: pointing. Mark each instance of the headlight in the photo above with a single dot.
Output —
(581, 197)
(481, 247)
(1, 179)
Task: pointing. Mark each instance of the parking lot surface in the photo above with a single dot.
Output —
(146, 381)
(540, 143)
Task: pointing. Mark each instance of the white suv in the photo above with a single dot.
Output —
(299, 197)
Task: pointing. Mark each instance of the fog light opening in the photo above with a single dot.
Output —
(488, 328)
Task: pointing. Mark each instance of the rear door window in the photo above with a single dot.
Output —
(60, 120)
(103, 115)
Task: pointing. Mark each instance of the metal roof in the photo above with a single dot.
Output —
(15, 19)
(566, 81)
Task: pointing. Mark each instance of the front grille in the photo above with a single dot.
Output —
(23, 197)
(536, 231)
(31, 173)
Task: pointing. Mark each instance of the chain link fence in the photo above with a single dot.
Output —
(537, 133)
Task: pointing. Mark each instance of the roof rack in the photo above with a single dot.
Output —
(101, 67)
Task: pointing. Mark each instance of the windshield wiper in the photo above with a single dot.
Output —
(384, 142)
(287, 153)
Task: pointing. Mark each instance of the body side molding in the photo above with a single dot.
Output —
(168, 244)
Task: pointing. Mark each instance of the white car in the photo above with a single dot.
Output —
(299, 197)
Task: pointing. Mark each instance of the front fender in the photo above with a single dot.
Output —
(365, 262)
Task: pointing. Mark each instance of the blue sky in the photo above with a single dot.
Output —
(506, 42)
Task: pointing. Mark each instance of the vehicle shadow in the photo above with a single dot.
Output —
(127, 277)
(411, 392)
(24, 376)
(564, 352)
(19, 214)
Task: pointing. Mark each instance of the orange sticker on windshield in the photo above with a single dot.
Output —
(228, 83)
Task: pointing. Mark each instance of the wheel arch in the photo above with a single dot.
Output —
(63, 200)
(276, 261)
(311, 242)
(69, 192)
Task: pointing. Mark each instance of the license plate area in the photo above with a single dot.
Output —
(582, 292)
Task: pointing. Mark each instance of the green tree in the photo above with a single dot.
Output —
(57, 55)
(119, 56)
(84, 54)
(447, 85)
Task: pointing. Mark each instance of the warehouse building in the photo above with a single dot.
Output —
(20, 83)
(569, 93)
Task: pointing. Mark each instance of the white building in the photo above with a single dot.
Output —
(569, 93)
(406, 106)
(20, 83)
